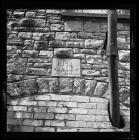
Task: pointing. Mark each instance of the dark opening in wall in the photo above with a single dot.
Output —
(122, 122)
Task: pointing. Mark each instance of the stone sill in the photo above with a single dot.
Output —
(125, 17)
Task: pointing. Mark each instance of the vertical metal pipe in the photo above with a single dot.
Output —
(112, 53)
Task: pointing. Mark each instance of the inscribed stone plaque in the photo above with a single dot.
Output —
(66, 67)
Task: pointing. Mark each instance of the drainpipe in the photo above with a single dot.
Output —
(112, 55)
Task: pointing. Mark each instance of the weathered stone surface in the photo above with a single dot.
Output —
(28, 87)
(43, 84)
(41, 45)
(14, 78)
(37, 71)
(46, 54)
(11, 49)
(30, 14)
(69, 51)
(30, 53)
(90, 72)
(62, 36)
(57, 43)
(104, 72)
(90, 87)
(78, 86)
(18, 14)
(14, 40)
(56, 27)
(60, 97)
(73, 26)
(17, 67)
(44, 129)
(124, 56)
(124, 93)
(28, 42)
(79, 44)
(53, 85)
(91, 26)
(47, 36)
(77, 98)
(88, 51)
(93, 43)
(66, 84)
(33, 122)
(37, 36)
(84, 35)
(25, 35)
(100, 89)
(87, 66)
(42, 65)
(38, 60)
(93, 59)
(12, 90)
(32, 22)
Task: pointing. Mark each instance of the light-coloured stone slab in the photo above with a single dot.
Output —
(66, 67)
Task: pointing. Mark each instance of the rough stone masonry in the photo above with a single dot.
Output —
(40, 102)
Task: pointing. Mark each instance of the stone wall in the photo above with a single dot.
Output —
(33, 38)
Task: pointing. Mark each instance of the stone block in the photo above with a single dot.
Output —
(88, 51)
(17, 67)
(56, 27)
(27, 102)
(69, 51)
(11, 49)
(87, 72)
(95, 59)
(37, 71)
(85, 35)
(42, 97)
(17, 108)
(18, 14)
(66, 84)
(59, 129)
(30, 53)
(62, 36)
(100, 89)
(124, 56)
(43, 84)
(98, 100)
(14, 121)
(30, 14)
(90, 87)
(75, 44)
(78, 86)
(39, 109)
(57, 123)
(93, 43)
(25, 35)
(46, 54)
(10, 114)
(102, 118)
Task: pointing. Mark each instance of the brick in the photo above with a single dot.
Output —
(102, 106)
(44, 116)
(103, 125)
(76, 98)
(78, 111)
(102, 118)
(67, 104)
(91, 111)
(60, 97)
(57, 123)
(27, 102)
(14, 121)
(87, 130)
(90, 124)
(40, 109)
(87, 105)
(101, 112)
(44, 129)
(47, 123)
(23, 115)
(10, 114)
(57, 110)
(23, 129)
(98, 100)
(13, 102)
(59, 129)
(85, 117)
(32, 122)
(47, 103)
(17, 108)
(65, 116)
(42, 97)
(75, 124)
